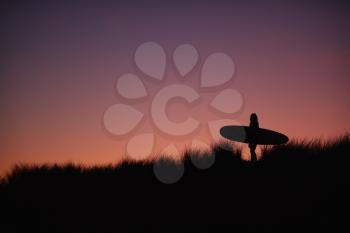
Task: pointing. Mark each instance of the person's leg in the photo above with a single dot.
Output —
(252, 153)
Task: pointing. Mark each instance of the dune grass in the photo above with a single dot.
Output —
(299, 186)
(226, 155)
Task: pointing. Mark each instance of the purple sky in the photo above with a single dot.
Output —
(60, 62)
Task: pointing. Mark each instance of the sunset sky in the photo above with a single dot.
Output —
(60, 63)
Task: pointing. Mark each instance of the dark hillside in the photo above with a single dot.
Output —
(300, 186)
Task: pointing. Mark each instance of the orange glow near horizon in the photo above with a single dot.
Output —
(61, 74)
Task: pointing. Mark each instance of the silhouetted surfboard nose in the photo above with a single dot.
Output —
(235, 133)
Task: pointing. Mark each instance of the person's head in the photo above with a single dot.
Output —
(253, 117)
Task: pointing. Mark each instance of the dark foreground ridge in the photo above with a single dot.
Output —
(297, 187)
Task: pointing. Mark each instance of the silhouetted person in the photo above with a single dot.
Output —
(254, 126)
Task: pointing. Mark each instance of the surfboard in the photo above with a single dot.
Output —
(246, 134)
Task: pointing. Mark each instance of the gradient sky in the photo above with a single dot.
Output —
(60, 62)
